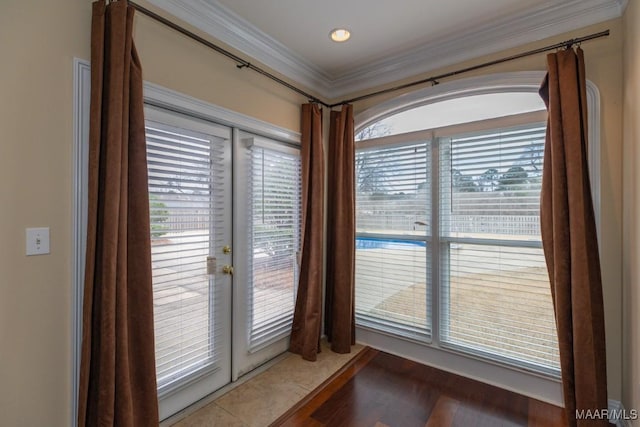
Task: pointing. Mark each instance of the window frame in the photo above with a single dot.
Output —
(433, 138)
(540, 385)
(444, 242)
(517, 81)
(390, 327)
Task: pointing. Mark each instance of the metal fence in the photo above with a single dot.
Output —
(517, 225)
(494, 224)
(179, 221)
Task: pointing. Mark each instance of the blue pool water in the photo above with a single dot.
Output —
(373, 243)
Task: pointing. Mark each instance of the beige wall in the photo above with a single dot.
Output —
(176, 62)
(36, 119)
(631, 184)
(38, 41)
(604, 69)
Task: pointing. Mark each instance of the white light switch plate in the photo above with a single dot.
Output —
(38, 241)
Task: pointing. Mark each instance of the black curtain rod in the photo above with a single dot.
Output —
(241, 63)
(435, 79)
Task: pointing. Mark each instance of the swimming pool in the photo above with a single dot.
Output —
(377, 243)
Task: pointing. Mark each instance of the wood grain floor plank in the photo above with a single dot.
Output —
(443, 413)
(382, 390)
(542, 414)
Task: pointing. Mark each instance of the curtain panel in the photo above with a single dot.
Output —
(569, 238)
(340, 290)
(117, 372)
(307, 318)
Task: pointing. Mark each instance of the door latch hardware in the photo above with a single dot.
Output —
(211, 265)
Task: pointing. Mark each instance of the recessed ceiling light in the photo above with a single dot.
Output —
(340, 35)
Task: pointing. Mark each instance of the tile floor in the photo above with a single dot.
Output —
(262, 399)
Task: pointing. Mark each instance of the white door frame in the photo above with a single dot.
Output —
(154, 95)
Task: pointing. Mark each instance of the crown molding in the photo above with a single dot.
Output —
(230, 28)
(532, 25)
(516, 30)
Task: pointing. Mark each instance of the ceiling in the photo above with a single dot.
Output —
(390, 40)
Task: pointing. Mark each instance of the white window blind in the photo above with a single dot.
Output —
(393, 196)
(275, 204)
(495, 295)
(185, 200)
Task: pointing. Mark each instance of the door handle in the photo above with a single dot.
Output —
(227, 269)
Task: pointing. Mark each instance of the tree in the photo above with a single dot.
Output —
(513, 179)
(489, 180)
(371, 177)
(532, 161)
(159, 215)
(463, 183)
(532, 157)
(376, 130)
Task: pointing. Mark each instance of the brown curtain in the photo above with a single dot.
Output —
(339, 299)
(307, 318)
(117, 372)
(569, 238)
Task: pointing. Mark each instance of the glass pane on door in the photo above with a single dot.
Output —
(267, 176)
(275, 239)
(188, 180)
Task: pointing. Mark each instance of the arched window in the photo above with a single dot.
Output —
(448, 247)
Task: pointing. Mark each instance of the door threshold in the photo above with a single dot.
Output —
(221, 391)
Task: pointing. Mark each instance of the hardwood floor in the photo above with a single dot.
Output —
(379, 389)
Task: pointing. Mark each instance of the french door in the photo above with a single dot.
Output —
(189, 164)
(267, 219)
(224, 208)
